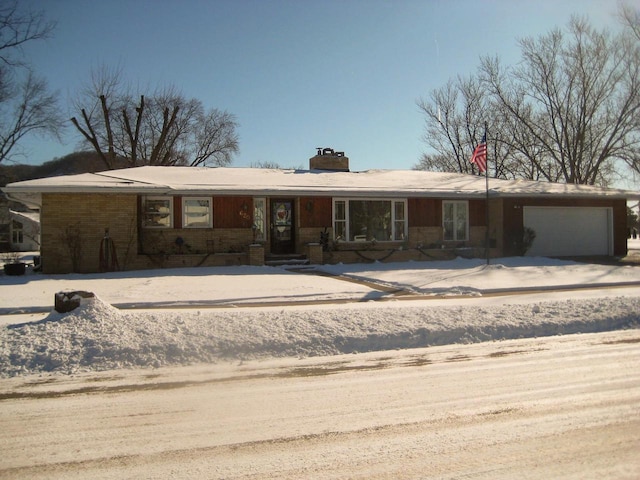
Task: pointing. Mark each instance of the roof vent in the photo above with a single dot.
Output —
(330, 160)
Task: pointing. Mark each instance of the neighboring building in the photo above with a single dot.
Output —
(19, 229)
(24, 231)
(186, 216)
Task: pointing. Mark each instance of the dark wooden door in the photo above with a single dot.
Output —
(282, 226)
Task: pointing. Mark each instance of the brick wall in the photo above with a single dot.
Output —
(306, 236)
(174, 241)
(80, 220)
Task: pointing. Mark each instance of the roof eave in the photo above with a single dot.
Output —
(27, 192)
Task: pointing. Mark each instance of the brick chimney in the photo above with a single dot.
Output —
(330, 160)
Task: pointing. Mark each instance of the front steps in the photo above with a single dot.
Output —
(293, 260)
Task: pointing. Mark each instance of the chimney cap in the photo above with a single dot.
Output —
(328, 152)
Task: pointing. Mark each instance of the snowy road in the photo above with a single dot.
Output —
(556, 407)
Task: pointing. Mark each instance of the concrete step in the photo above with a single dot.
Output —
(286, 260)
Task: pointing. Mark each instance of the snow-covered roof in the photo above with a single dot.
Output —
(259, 181)
(33, 217)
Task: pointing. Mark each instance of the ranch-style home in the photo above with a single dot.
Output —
(150, 217)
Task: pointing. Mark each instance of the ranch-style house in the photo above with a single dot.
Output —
(150, 217)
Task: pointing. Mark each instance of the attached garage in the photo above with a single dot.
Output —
(570, 231)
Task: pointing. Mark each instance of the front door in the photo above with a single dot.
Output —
(282, 226)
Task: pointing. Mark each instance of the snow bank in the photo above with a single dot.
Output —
(97, 336)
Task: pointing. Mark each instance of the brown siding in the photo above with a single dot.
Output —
(619, 227)
(513, 224)
(424, 212)
(477, 213)
(427, 212)
(232, 212)
(315, 212)
(177, 212)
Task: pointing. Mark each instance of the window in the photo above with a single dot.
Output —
(196, 212)
(259, 215)
(369, 220)
(17, 232)
(399, 221)
(340, 220)
(157, 212)
(455, 221)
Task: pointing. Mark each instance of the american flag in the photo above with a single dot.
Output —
(479, 156)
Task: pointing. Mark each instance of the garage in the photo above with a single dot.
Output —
(570, 231)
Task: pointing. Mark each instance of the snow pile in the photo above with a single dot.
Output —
(97, 336)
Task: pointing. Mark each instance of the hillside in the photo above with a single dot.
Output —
(74, 163)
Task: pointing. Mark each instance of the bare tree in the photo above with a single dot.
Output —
(26, 106)
(97, 102)
(216, 140)
(449, 129)
(164, 128)
(568, 112)
(630, 18)
(18, 28)
(455, 119)
(575, 99)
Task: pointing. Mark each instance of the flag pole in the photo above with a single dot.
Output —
(487, 240)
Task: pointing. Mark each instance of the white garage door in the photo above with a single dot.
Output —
(570, 231)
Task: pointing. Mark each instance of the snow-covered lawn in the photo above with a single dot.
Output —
(235, 286)
(273, 312)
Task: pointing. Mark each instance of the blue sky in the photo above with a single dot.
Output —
(296, 74)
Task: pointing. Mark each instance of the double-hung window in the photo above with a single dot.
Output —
(455, 221)
(157, 212)
(197, 212)
(367, 220)
(17, 232)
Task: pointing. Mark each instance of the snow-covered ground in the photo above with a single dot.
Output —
(251, 373)
(246, 285)
(273, 312)
(561, 407)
